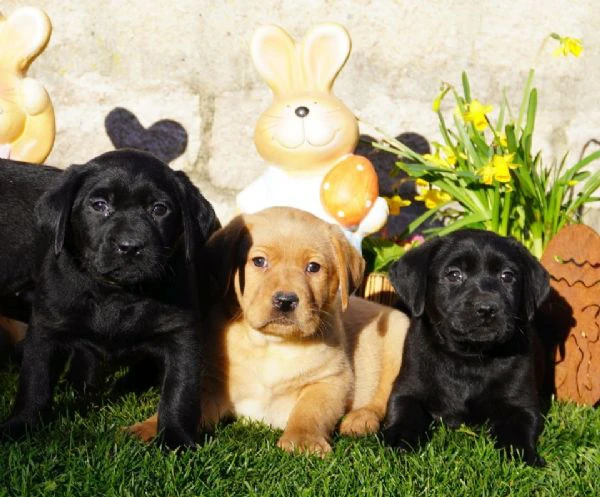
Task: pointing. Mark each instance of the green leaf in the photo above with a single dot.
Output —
(466, 87)
(525, 99)
(510, 138)
(569, 175)
(412, 227)
(531, 110)
(385, 252)
(466, 141)
(500, 120)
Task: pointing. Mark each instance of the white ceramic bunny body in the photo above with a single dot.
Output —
(306, 131)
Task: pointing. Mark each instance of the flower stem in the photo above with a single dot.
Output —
(496, 208)
(505, 213)
(525, 98)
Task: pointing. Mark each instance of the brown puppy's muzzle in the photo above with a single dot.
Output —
(285, 301)
(281, 303)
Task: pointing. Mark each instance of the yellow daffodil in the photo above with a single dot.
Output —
(436, 159)
(497, 169)
(487, 174)
(502, 165)
(433, 197)
(430, 194)
(421, 186)
(567, 46)
(395, 203)
(451, 156)
(475, 113)
(448, 159)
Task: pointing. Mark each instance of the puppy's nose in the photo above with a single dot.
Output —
(129, 246)
(301, 111)
(285, 301)
(486, 308)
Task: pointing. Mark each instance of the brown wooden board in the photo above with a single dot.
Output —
(573, 260)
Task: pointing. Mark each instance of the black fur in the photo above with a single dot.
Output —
(469, 352)
(21, 185)
(116, 281)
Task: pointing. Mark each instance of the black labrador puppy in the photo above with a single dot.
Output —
(469, 352)
(21, 185)
(116, 280)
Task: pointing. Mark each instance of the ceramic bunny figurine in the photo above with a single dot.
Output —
(26, 113)
(308, 135)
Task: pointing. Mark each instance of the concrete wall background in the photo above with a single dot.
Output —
(188, 60)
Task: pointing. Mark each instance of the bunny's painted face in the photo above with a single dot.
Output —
(297, 130)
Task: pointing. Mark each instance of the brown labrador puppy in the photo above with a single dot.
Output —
(286, 344)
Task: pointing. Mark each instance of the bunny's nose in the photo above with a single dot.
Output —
(301, 111)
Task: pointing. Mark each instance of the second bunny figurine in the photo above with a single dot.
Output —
(308, 135)
(27, 124)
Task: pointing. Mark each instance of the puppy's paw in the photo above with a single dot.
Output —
(304, 442)
(401, 438)
(537, 461)
(528, 455)
(145, 431)
(360, 422)
(13, 430)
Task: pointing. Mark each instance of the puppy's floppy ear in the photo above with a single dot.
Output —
(536, 283)
(409, 275)
(223, 253)
(349, 264)
(53, 208)
(198, 216)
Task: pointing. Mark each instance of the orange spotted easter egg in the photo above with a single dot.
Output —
(349, 190)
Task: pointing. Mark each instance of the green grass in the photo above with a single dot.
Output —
(87, 455)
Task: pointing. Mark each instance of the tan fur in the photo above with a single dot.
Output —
(304, 370)
(376, 336)
(15, 330)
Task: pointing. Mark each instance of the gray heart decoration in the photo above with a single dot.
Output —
(165, 139)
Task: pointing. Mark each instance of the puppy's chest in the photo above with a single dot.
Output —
(266, 377)
(112, 317)
(465, 394)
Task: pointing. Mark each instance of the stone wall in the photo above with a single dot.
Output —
(188, 60)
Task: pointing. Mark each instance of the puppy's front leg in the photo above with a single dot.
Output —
(313, 418)
(85, 371)
(406, 423)
(40, 369)
(179, 407)
(518, 428)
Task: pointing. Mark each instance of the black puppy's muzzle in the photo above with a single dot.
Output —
(485, 310)
(129, 252)
(481, 319)
(129, 246)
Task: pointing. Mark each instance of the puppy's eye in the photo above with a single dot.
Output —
(313, 267)
(259, 261)
(159, 209)
(454, 275)
(99, 205)
(507, 276)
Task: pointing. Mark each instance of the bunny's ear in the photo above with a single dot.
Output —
(274, 55)
(325, 50)
(23, 35)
